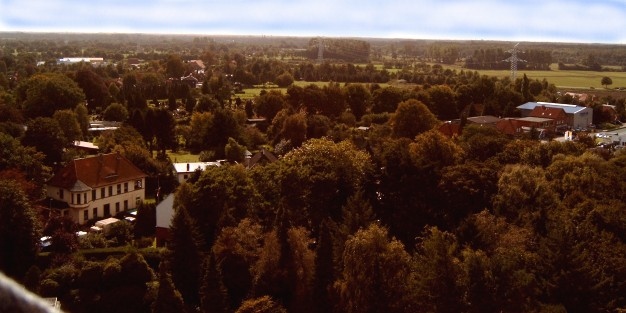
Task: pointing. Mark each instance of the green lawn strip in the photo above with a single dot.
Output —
(182, 156)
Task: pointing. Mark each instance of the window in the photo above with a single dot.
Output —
(93, 194)
(138, 184)
(110, 191)
(95, 212)
(107, 210)
(125, 187)
(85, 215)
(137, 200)
(185, 176)
(125, 205)
(78, 198)
(61, 194)
(119, 188)
(102, 195)
(117, 207)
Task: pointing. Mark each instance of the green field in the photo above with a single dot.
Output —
(568, 79)
(563, 79)
(250, 93)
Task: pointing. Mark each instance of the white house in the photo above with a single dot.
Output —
(185, 170)
(96, 187)
(164, 215)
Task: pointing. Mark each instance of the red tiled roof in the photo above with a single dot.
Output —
(507, 126)
(548, 112)
(450, 129)
(104, 169)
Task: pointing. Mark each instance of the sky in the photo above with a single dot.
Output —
(582, 21)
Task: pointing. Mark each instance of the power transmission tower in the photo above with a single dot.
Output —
(320, 50)
(514, 59)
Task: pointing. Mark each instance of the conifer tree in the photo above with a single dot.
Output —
(213, 297)
(185, 257)
(168, 298)
(324, 270)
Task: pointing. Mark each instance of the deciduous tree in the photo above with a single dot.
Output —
(19, 231)
(412, 117)
(268, 104)
(375, 273)
(115, 112)
(437, 272)
(42, 94)
(45, 135)
(606, 81)
(358, 99)
(68, 122)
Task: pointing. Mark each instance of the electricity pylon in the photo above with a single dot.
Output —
(514, 59)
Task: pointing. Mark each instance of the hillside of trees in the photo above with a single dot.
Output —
(369, 208)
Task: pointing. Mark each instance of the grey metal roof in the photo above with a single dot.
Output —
(484, 119)
(534, 119)
(568, 108)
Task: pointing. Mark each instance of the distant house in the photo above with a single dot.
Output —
(92, 61)
(184, 170)
(196, 66)
(541, 124)
(509, 126)
(86, 146)
(95, 187)
(261, 157)
(450, 129)
(609, 112)
(577, 116)
(133, 62)
(164, 214)
(557, 114)
(581, 97)
(191, 81)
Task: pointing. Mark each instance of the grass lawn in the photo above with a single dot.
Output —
(182, 156)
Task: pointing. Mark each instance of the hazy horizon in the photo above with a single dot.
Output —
(532, 21)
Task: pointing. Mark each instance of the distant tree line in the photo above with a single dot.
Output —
(495, 59)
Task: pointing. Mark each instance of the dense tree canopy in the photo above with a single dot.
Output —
(367, 207)
(43, 94)
(19, 230)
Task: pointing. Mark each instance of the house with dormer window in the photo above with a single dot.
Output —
(96, 187)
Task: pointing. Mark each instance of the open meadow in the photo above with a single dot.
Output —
(564, 79)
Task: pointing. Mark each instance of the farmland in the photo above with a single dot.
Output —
(563, 79)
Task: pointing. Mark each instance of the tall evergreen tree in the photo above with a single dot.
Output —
(185, 257)
(213, 297)
(168, 298)
(324, 270)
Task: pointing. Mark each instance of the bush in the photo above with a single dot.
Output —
(92, 240)
(379, 118)
(116, 112)
(206, 156)
(284, 80)
(144, 242)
